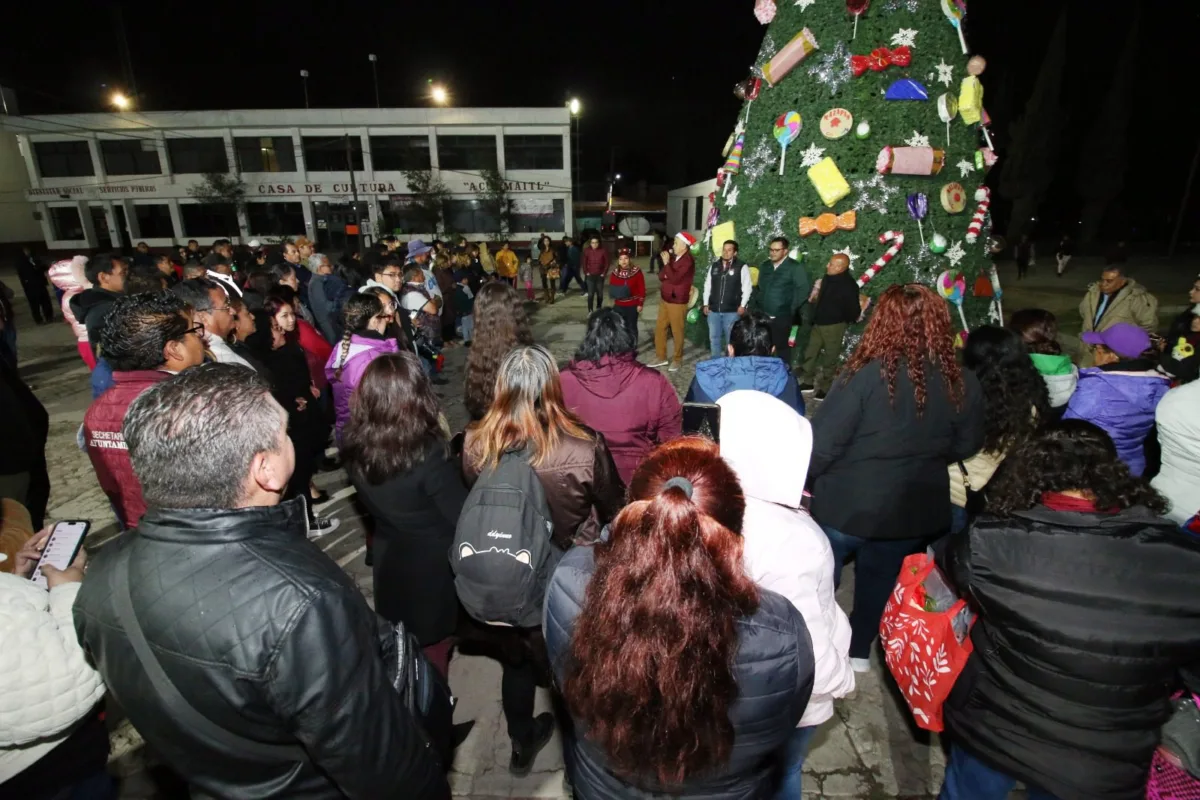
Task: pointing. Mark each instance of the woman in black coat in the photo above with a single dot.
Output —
(397, 455)
(1088, 613)
(900, 413)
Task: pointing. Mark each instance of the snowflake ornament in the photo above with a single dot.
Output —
(956, 254)
(804, 4)
(905, 37)
(764, 156)
(917, 140)
(833, 68)
(767, 226)
(845, 251)
(812, 155)
(965, 167)
(892, 6)
(945, 72)
(739, 128)
(732, 197)
(874, 194)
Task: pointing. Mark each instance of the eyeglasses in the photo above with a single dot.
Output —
(197, 329)
(392, 274)
(215, 309)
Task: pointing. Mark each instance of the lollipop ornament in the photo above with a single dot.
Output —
(952, 287)
(787, 128)
(857, 8)
(954, 11)
(918, 208)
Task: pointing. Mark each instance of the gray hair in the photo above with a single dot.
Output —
(195, 292)
(527, 370)
(316, 260)
(192, 438)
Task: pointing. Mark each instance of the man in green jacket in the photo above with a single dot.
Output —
(782, 290)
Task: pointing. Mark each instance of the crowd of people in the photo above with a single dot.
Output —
(675, 590)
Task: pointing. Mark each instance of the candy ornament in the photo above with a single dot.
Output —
(827, 179)
(918, 208)
(938, 244)
(955, 10)
(947, 111)
(985, 158)
(857, 8)
(880, 59)
(764, 11)
(897, 240)
(828, 223)
(799, 48)
(787, 128)
(863, 131)
(952, 286)
(954, 198)
(910, 161)
(733, 164)
(907, 89)
(970, 92)
(836, 123)
(748, 91)
(983, 196)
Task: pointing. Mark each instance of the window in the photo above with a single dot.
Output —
(209, 219)
(154, 221)
(469, 216)
(275, 219)
(699, 214)
(683, 218)
(130, 157)
(467, 152)
(400, 152)
(65, 223)
(401, 217)
(533, 152)
(197, 156)
(535, 217)
(328, 153)
(265, 153)
(63, 159)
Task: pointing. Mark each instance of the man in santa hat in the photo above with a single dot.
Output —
(678, 272)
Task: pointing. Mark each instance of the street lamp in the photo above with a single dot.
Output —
(120, 101)
(574, 106)
(304, 76)
(438, 94)
(375, 74)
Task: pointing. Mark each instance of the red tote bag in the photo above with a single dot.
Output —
(921, 650)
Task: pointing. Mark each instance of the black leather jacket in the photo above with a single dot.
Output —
(268, 638)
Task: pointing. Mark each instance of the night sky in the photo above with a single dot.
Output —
(655, 77)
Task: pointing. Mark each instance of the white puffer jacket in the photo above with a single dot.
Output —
(1179, 436)
(68, 276)
(784, 549)
(46, 684)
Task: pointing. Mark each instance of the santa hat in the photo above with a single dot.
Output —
(686, 238)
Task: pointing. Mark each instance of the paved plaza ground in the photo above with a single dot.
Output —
(869, 750)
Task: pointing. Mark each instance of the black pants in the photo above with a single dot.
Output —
(39, 300)
(524, 665)
(629, 314)
(781, 328)
(568, 274)
(595, 289)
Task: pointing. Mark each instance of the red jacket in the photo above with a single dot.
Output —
(677, 277)
(106, 446)
(637, 289)
(595, 260)
(316, 352)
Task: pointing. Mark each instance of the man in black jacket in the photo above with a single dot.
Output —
(727, 290)
(255, 628)
(91, 306)
(32, 273)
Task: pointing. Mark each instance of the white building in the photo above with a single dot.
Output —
(113, 179)
(688, 206)
(17, 223)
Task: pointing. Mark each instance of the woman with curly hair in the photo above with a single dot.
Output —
(1015, 402)
(1038, 329)
(1087, 611)
(682, 677)
(898, 414)
(500, 325)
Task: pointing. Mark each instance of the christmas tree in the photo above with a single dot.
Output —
(863, 120)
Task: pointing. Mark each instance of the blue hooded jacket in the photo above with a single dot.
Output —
(718, 377)
(1120, 399)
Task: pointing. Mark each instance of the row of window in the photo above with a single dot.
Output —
(198, 155)
(698, 209)
(287, 219)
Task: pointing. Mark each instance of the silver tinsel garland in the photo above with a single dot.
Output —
(873, 194)
(833, 68)
(764, 156)
(767, 227)
(911, 6)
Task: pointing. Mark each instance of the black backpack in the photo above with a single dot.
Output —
(502, 555)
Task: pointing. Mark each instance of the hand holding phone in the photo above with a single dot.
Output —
(62, 558)
(702, 419)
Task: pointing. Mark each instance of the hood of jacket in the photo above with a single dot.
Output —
(1052, 365)
(720, 376)
(1059, 375)
(68, 274)
(777, 473)
(1138, 391)
(607, 377)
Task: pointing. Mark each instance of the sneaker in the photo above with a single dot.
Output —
(820, 395)
(806, 387)
(321, 526)
(675, 368)
(658, 364)
(860, 664)
(521, 763)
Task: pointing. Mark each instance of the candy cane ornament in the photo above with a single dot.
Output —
(897, 240)
(983, 195)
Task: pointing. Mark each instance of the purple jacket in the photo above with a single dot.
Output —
(1122, 403)
(361, 352)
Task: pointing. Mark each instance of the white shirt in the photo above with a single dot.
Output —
(222, 352)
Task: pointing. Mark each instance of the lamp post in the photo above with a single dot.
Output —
(304, 77)
(120, 101)
(375, 74)
(438, 94)
(575, 107)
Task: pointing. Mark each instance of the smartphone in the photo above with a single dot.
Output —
(702, 419)
(61, 548)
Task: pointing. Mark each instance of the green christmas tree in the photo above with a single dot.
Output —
(878, 87)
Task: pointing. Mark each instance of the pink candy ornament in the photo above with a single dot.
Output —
(764, 11)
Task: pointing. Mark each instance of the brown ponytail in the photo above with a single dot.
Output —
(356, 316)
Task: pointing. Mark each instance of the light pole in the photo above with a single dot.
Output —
(375, 75)
(120, 101)
(575, 107)
(438, 94)
(304, 76)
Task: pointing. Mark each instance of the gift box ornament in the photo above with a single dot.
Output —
(827, 179)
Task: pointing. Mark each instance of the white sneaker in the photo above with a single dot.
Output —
(860, 664)
(321, 526)
(674, 368)
(657, 364)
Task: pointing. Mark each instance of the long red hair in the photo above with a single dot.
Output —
(910, 324)
(652, 656)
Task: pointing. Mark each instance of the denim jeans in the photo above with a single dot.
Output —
(720, 325)
(792, 759)
(467, 321)
(968, 778)
(958, 519)
(876, 568)
(595, 290)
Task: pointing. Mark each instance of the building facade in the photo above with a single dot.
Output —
(688, 207)
(112, 180)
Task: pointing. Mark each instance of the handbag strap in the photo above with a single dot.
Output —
(177, 706)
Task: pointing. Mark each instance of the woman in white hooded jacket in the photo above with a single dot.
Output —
(1179, 436)
(67, 275)
(769, 446)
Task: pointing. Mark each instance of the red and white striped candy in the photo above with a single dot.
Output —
(897, 240)
(984, 197)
